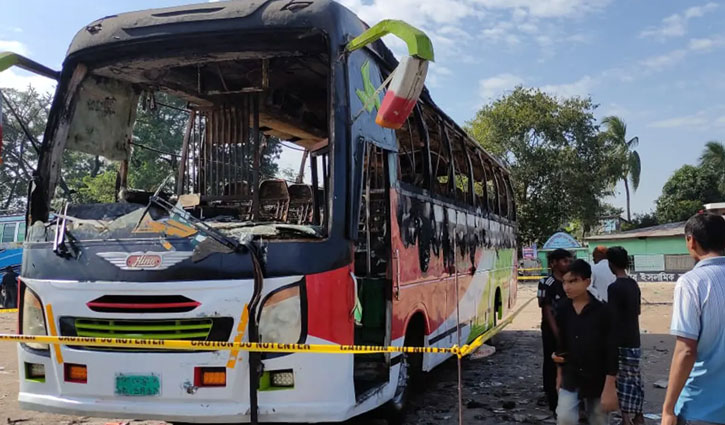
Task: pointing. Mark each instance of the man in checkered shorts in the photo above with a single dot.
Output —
(625, 304)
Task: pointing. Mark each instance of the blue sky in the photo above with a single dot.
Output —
(656, 63)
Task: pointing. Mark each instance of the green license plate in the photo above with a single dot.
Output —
(138, 385)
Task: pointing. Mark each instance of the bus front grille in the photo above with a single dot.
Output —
(202, 329)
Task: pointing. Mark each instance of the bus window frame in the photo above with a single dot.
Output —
(423, 130)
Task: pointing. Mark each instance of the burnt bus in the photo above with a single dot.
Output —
(289, 215)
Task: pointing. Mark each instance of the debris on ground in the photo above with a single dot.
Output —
(662, 383)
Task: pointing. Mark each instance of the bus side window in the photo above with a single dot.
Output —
(479, 180)
(503, 194)
(491, 190)
(440, 159)
(9, 232)
(512, 199)
(463, 169)
(21, 232)
(411, 154)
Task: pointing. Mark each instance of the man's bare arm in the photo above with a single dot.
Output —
(683, 359)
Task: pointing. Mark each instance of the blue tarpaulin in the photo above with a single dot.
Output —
(10, 257)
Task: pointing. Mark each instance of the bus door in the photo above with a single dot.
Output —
(373, 314)
(372, 146)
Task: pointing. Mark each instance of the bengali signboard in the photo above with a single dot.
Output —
(530, 252)
(656, 276)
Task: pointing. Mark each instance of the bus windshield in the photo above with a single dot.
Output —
(234, 135)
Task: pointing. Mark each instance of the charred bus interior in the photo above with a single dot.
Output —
(253, 156)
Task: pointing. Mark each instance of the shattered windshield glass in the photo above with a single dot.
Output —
(236, 143)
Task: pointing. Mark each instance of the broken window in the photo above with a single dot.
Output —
(462, 168)
(411, 154)
(371, 248)
(491, 189)
(228, 135)
(479, 180)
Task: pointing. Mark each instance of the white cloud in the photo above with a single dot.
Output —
(13, 46)
(20, 80)
(501, 32)
(547, 9)
(658, 62)
(695, 120)
(581, 87)
(504, 22)
(676, 25)
(494, 86)
(699, 11)
(705, 44)
(419, 13)
(701, 43)
(673, 57)
(436, 74)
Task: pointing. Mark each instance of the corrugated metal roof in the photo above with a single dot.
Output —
(663, 230)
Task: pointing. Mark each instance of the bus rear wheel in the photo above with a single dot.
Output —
(410, 377)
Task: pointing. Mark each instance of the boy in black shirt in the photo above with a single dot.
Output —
(587, 355)
(550, 294)
(625, 305)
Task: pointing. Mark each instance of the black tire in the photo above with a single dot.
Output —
(410, 379)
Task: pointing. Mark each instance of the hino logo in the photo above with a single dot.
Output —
(145, 260)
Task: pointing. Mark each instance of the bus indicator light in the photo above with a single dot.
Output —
(210, 377)
(76, 373)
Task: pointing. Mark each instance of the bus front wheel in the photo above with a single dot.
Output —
(410, 377)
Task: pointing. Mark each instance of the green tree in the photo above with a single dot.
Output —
(616, 130)
(685, 193)
(99, 188)
(713, 157)
(561, 167)
(640, 221)
(22, 110)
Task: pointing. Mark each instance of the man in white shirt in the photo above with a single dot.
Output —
(602, 276)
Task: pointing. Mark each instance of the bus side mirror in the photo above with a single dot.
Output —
(408, 78)
(403, 93)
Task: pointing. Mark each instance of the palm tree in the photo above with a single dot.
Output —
(616, 130)
(713, 157)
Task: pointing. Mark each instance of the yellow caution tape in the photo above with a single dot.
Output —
(8, 310)
(260, 347)
(531, 277)
(469, 348)
(531, 269)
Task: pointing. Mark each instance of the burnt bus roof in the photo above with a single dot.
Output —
(337, 21)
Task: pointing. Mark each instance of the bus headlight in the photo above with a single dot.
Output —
(281, 317)
(33, 322)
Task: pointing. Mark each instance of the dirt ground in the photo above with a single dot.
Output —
(500, 389)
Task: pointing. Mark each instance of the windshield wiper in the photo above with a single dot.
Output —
(202, 227)
(196, 223)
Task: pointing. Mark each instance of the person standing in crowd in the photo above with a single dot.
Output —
(625, 304)
(602, 276)
(10, 288)
(550, 293)
(697, 374)
(587, 353)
